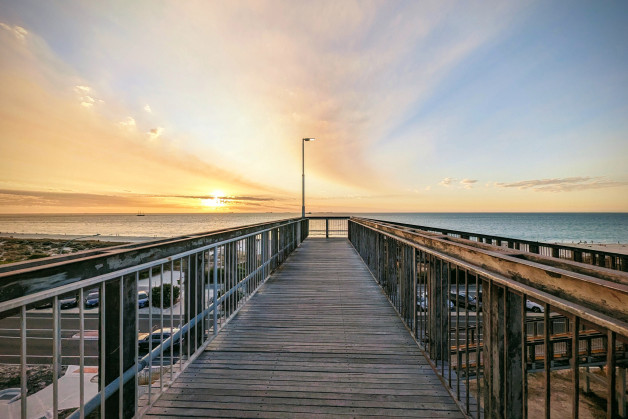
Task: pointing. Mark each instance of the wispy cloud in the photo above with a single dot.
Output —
(568, 184)
(128, 123)
(148, 109)
(52, 199)
(17, 31)
(468, 183)
(85, 96)
(447, 181)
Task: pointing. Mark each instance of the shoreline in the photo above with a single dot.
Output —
(621, 248)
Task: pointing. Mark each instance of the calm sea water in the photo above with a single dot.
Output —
(548, 227)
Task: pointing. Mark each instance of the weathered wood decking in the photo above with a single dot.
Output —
(318, 340)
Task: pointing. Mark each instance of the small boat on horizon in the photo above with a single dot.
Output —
(140, 214)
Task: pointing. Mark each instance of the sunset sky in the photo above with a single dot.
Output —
(200, 106)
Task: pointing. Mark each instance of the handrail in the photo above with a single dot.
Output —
(601, 258)
(420, 272)
(216, 274)
(335, 226)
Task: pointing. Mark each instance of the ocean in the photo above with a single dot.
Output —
(546, 227)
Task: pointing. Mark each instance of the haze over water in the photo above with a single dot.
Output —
(546, 227)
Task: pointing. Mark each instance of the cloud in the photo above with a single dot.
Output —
(155, 133)
(428, 188)
(49, 143)
(148, 109)
(17, 31)
(60, 199)
(447, 181)
(128, 123)
(86, 100)
(569, 184)
(468, 183)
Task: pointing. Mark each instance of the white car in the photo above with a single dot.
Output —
(534, 307)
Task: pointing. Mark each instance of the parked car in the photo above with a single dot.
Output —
(10, 395)
(68, 302)
(92, 299)
(157, 336)
(142, 299)
(534, 307)
(422, 303)
(463, 300)
(476, 301)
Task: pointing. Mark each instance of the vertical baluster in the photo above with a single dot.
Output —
(181, 303)
(611, 396)
(215, 290)
(172, 344)
(458, 333)
(466, 336)
(479, 328)
(56, 354)
(23, 362)
(103, 353)
(575, 368)
(121, 349)
(161, 326)
(81, 353)
(136, 345)
(548, 358)
(150, 333)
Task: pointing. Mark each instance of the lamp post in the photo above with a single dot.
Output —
(303, 175)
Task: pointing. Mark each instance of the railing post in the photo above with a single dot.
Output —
(298, 233)
(215, 278)
(193, 306)
(515, 340)
(111, 310)
(326, 227)
(438, 306)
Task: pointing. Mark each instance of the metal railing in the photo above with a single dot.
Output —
(328, 226)
(610, 260)
(506, 335)
(136, 315)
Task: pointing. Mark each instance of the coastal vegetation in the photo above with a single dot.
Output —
(17, 250)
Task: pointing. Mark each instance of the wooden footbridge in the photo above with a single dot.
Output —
(307, 317)
(319, 339)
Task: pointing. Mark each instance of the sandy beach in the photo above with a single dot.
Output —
(605, 247)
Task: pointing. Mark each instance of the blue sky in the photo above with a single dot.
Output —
(416, 106)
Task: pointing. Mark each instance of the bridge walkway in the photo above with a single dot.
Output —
(319, 339)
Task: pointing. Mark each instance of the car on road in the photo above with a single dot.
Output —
(463, 300)
(142, 299)
(68, 302)
(422, 303)
(10, 395)
(147, 340)
(534, 307)
(92, 299)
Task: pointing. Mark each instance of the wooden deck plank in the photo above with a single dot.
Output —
(318, 339)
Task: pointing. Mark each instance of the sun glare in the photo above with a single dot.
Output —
(216, 201)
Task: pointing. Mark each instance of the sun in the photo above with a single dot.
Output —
(216, 201)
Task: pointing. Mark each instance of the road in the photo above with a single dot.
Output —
(39, 343)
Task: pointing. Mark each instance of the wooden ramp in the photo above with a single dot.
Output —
(319, 339)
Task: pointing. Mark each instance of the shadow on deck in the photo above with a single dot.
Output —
(318, 339)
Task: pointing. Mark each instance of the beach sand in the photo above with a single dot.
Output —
(604, 247)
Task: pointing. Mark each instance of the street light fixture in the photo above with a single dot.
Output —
(303, 175)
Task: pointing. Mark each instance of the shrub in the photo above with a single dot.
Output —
(156, 295)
